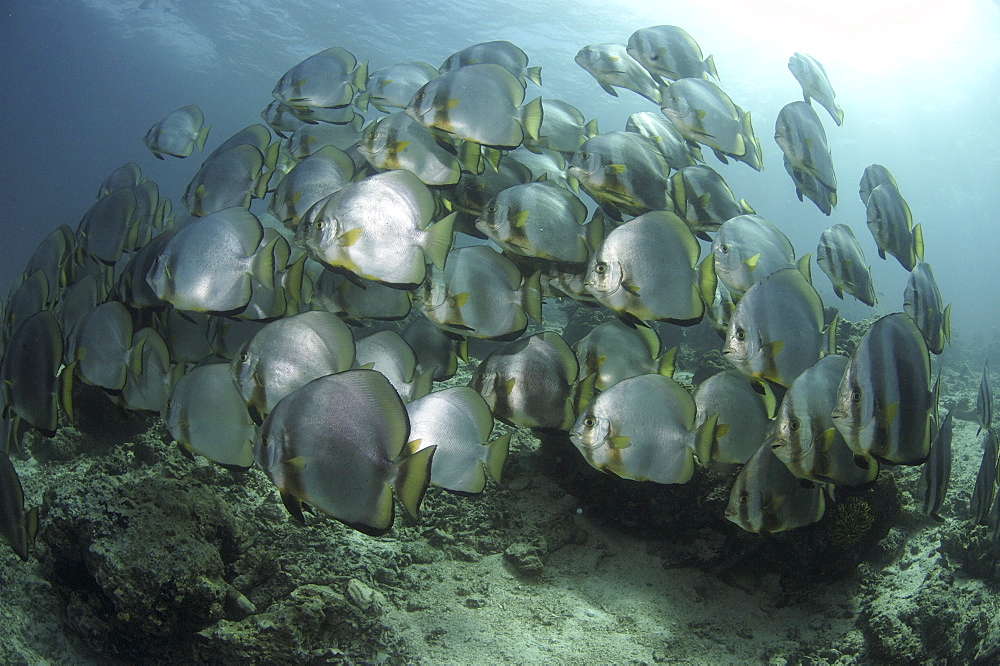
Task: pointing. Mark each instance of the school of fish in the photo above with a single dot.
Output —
(252, 318)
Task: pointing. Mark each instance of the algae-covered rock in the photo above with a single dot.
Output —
(313, 624)
(141, 563)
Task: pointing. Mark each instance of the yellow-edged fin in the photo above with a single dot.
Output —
(350, 237)
(594, 233)
(706, 439)
(918, 241)
(826, 439)
(584, 392)
(614, 169)
(492, 157)
(530, 117)
(413, 446)
(439, 238)
(398, 147)
(805, 266)
(707, 280)
(458, 300)
(665, 365)
(496, 455)
(521, 218)
(619, 442)
(769, 399)
(293, 279)
(531, 292)
(590, 129)
(752, 261)
(359, 79)
(534, 74)
(411, 478)
(262, 264)
(471, 156)
(746, 208)
(831, 335)
(947, 323)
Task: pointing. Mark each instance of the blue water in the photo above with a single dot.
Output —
(84, 79)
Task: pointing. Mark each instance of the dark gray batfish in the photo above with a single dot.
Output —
(748, 248)
(127, 175)
(541, 220)
(984, 401)
(458, 422)
(480, 293)
(986, 481)
(815, 83)
(289, 353)
(178, 134)
(642, 429)
(530, 382)
(206, 414)
(208, 264)
(884, 402)
(705, 114)
(107, 224)
(703, 199)
(325, 80)
(400, 142)
(676, 150)
(478, 103)
(805, 438)
(840, 256)
(800, 134)
(767, 498)
(317, 176)
(891, 224)
(776, 330)
(564, 128)
(873, 176)
(922, 301)
(613, 67)
(936, 474)
(379, 228)
(101, 344)
(17, 526)
(150, 375)
(742, 415)
(435, 350)
(392, 87)
(613, 351)
(231, 178)
(29, 369)
(388, 353)
(669, 52)
(623, 172)
(356, 299)
(499, 52)
(630, 269)
(338, 445)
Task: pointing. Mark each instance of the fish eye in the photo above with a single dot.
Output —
(419, 96)
(744, 498)
(244, 357)
(318, 224)
(589, 422)
(492, 209)
(372, 135)
(585, 156)
(741, 334)
(601, 268)
(856, 395)
(724, 248)
(794, 424)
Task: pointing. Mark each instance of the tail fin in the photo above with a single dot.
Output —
(413, 474)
